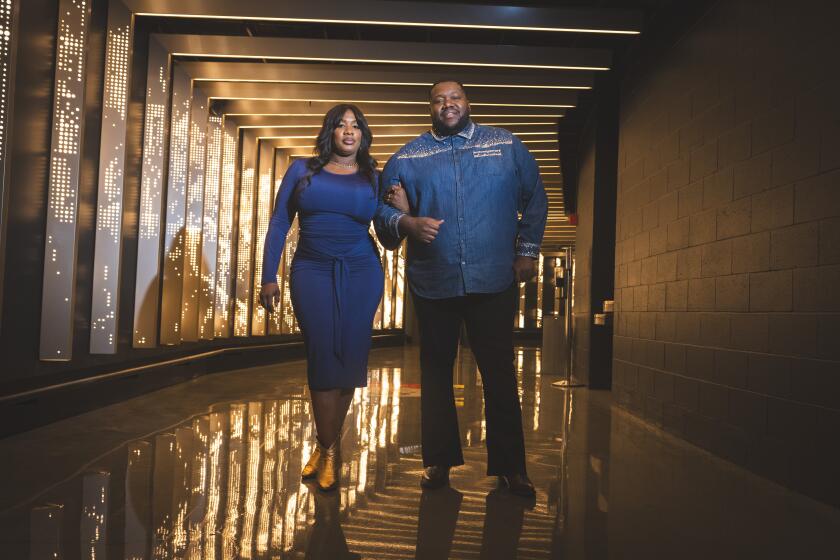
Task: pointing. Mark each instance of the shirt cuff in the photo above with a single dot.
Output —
(394, 223)
(525, 249)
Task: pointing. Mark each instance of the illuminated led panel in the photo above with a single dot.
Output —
(281, 163)
(155, 128)
(265, 189)
(388, 290)
(289, 323)
(246, 236)
(8, 32)
(378, 315)
(194, 217)
(224, 258)
(176, 193)
(209, 229)
(63, 197)
(109, 198)
(400, 288)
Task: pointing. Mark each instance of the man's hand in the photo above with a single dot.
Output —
(420, 229)
(397, 198)
(524, 268)
(270, 296)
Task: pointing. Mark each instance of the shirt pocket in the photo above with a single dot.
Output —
(487, 161)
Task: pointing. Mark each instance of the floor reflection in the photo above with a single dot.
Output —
(224, 482)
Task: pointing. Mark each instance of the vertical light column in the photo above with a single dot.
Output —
(63, 197)
(281, 163)
(209, 228)
(379, 315)
(400, 298)
(224, 258)
(245, 251)
(176, 193)
(109, 198)
(289, 323)
(155, 126)
(265, 164)
(195, 215)
(8, 41)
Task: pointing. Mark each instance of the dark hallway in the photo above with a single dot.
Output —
(676, 350)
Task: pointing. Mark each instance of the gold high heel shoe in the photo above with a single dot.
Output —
(311, 467)
(328, 467)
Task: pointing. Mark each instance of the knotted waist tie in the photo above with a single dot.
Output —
(340, 278)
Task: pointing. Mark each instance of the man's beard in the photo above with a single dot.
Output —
(442, 130)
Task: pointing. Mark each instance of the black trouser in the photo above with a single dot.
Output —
(489, 323)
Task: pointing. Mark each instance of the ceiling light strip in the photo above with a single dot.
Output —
(395, 61)
(600, 31)
(372, 83)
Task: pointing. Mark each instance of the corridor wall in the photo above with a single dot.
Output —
(123, 202)
(727, 260)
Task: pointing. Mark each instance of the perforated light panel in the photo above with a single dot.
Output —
(224, 260)
(63, 187)
(245, 248)
(155, 126)
(194, 216)
(210, 229)
(263, 215)
(176, 191)
(109, 198)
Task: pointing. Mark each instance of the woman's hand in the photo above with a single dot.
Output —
(270, 296)
(397, 198)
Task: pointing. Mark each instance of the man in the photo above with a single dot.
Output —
(476, 221)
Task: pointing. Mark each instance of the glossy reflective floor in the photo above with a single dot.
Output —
(210, 470)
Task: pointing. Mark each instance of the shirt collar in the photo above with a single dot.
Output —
(466, 133)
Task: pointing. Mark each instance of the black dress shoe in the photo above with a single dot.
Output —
(518, 484)
(435, 477)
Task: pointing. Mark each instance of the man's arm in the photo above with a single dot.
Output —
(533, 207)
(387, 218)
(532, 204)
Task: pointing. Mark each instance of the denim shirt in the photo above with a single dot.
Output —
(485, 185)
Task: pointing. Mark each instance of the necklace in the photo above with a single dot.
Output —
(345, 165)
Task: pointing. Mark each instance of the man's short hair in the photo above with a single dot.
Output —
(443, 82)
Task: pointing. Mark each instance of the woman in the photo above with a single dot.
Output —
(336, 276)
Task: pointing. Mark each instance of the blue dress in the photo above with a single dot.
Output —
(336, 277)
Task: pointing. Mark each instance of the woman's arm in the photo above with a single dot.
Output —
(275, 238)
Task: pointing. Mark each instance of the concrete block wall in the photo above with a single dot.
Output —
(728, 240)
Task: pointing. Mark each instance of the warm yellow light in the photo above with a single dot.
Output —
(386, 101)
(401, 23)
(381, 61)
(401, 125)
(370, 83)
(369, 115)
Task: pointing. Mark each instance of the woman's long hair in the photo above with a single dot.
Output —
(324, 147)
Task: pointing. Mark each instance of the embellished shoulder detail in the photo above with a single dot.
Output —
(421, 147)
(488, 137)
